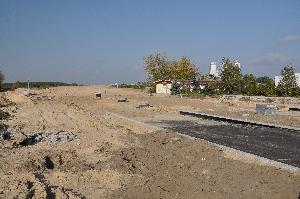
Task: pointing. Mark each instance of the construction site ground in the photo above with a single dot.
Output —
(65, 143)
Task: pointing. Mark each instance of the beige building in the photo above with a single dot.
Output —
(163, 87)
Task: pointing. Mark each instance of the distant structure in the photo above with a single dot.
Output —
(278, 79)
(213, 69)
(115, 85)
(163, 86)
(214, 72)
(237, 64)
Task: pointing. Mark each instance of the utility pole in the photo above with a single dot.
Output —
(28, 87)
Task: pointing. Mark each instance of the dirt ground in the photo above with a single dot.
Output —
(113, 156)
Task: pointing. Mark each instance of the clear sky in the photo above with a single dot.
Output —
(98, 41)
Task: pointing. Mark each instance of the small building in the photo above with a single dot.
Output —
(163, 86)
(278, 79)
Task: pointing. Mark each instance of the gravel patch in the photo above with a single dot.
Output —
(52, 138)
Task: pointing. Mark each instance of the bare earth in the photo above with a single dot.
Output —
(114, 156)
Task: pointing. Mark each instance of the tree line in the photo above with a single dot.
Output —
(39, 85)
(231, 80)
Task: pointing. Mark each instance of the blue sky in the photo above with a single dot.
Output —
(101, 41)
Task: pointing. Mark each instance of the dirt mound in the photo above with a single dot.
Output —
(34, 186)
(4, 102)
(15, 98)
(172, 167)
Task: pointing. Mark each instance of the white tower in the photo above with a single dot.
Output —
(213, 69)
(237, 63)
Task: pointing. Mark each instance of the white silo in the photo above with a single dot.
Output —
(213, 69)
(237, 63)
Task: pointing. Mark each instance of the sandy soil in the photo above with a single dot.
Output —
(113, 157)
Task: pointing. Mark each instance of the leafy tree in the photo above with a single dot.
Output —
(195, 84)
(16, 85)
(279, 90)
(183, 69)
(249, 85)
(267, 88)
(231, 77)
(212, 89)
(159, 67)
(175, 89)
(1, 78)
(263, 80)
(288, 81)
(296, 92)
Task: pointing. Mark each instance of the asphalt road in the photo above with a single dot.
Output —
(277, 144)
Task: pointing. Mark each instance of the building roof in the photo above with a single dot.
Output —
(163, 82)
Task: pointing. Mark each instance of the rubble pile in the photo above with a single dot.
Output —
(52, 138)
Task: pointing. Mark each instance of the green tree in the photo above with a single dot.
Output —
(267, 88)
(279, 90)
(288, 81)
(175, 89)
(249, 85)
(1, 78)
(212, 89)
(183, 69)
(16, 85)
(231, 77)
(159, 67)
(195, 84)
(264, 79)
